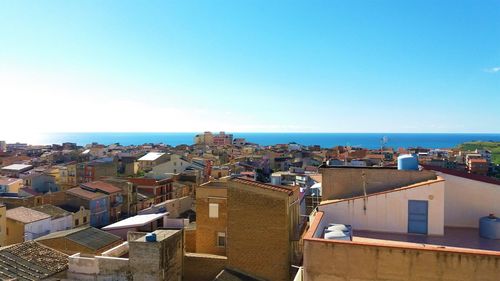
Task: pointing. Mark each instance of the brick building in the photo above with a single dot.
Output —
(252, 223)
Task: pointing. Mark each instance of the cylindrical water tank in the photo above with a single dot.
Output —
(408, 162)
(489, 227)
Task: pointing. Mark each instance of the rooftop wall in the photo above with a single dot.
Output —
(348, 182)
(326, 260)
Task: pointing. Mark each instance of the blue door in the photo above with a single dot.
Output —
(417, 216)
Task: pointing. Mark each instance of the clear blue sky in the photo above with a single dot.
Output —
(313, 66)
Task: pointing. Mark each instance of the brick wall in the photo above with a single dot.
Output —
(202, 267)
(190, 240)
(258, 241)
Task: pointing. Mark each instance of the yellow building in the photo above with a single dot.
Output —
(10, 185)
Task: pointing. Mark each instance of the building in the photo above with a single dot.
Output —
(10, 185)
(243, 218)
(32, 261)
(151, 159)
(223, 139)
(67, 175)
(419, 231)
(211, 218)
(129, 195)
(206, 138)
(24, 224)
(176, 165)
(477, 166)
(3, 146)
(60, 219)
(84, 240)
(157, 257)
(158, 190)
(95, 201)
(15, 170)
(96, 169)
(80, 215)
(114, 195)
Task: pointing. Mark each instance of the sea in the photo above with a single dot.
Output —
(326, 140)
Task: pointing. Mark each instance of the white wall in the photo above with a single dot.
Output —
(169, 167)
(36, 229)
(388, 212)
(468, 200)
(62, 223)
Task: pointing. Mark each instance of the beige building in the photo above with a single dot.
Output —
(151, 159)
(25, 224)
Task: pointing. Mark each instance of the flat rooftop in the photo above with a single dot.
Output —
(161, 234)
(454, 237)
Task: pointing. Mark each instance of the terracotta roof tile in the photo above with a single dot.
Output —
(101, 186)
(289, 191)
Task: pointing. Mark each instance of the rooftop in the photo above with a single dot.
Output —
(161, 234)
(30, 261)
(151, 156)
(83, 193)
(454, 237)
(267, 186)
(7, 181)
(101, 186)
(135, 221)
(87, 236)
(51, 210)
(26, 215)
(17, 167)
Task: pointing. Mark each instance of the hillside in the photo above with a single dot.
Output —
(494, 147)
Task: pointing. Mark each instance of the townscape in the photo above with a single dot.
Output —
(226, 209)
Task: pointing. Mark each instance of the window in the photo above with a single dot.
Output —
(84, 219)
(221, 239)
(213, 210)
(77, 222)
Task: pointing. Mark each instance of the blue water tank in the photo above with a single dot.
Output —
(151, 237)
(489, 227)
(408, 162)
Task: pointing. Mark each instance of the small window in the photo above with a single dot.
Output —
(213, 210)
(221, 239)
(84, 219)
(77, 222)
